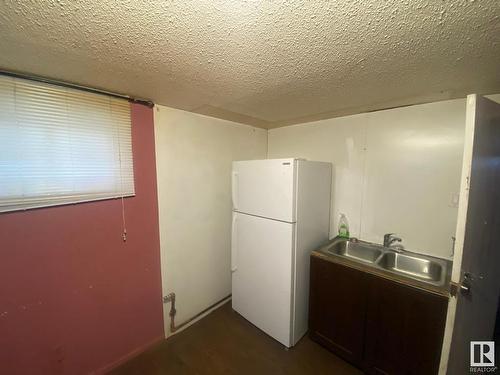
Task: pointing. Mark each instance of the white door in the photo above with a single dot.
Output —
(476, 274)
(265, 188)
(261, 262)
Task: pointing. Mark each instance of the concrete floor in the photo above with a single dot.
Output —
(225, 343)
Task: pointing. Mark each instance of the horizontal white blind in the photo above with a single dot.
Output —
(61, 145)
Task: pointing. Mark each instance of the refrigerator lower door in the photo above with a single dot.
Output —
(262, 257)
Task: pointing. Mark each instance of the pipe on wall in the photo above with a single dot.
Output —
(171, 298)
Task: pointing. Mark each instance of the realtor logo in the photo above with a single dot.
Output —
(482, 353)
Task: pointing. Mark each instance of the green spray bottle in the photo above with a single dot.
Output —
(343, 226)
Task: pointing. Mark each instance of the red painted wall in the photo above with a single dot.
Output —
(74, 298)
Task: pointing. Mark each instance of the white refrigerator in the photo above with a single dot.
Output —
(281, 212)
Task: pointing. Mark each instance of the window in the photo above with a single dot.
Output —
(61, 145)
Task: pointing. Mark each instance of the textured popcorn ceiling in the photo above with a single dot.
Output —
(265, 63)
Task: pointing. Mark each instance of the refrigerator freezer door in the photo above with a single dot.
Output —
(262, 278)
(265, 188)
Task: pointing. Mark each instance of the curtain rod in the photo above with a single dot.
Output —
(30, 77)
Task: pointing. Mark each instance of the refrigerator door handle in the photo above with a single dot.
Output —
(234, 240)
(234, 189)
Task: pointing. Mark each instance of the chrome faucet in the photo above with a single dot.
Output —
(390, 238)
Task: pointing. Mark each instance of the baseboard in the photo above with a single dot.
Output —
(215, 307)
(127, 357)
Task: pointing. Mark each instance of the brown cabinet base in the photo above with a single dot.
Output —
(377, 324)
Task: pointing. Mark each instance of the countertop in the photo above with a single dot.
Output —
(443, 291)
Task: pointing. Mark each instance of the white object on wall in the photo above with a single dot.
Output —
(193, 160)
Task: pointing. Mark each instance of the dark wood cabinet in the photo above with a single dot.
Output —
(380, 325)
(404, 329)
(338, 295)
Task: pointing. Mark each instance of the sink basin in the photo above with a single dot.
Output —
(418, 267)
(421, 267)
(359, 251)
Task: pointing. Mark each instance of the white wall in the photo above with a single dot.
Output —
(395, 170)
(193, 158)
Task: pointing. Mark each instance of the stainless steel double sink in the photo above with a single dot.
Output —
(431, 270)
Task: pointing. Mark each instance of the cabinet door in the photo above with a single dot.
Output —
(404, 329)
(337, 308)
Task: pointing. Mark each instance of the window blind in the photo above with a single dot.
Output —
(61, 145)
